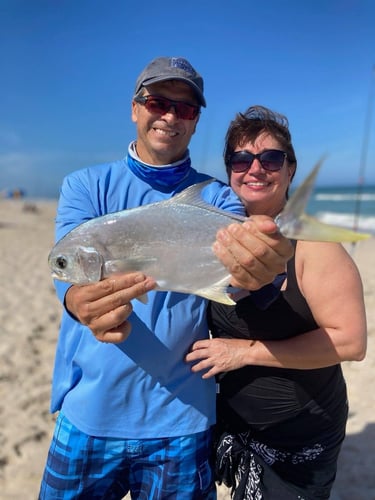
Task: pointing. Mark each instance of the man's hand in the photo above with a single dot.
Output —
(253, 252)
(105, 306)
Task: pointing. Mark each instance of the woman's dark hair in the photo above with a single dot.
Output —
(247, 126)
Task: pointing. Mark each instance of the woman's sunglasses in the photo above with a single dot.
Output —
(157, 104)
(270, 159)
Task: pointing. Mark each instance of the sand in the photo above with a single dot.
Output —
(29, 321)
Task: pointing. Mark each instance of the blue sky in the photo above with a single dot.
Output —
(68, 69)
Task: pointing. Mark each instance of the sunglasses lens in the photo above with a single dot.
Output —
(157, 105)
(272, 160)
(241, 161)
(163, 105)
(185, 111)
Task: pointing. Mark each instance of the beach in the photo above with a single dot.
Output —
(29, 322)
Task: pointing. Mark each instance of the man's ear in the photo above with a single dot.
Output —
(196, 123)
(134, 113)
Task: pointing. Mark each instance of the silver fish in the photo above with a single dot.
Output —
(171, 241)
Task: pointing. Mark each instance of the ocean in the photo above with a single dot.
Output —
(345, 206)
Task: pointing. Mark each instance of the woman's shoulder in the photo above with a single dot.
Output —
(317, 261)
(315, 251)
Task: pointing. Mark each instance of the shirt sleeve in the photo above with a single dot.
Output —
(222, 196)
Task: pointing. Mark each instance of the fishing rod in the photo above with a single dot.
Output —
(363, 158)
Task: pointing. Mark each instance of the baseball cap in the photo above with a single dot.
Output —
(171, 68)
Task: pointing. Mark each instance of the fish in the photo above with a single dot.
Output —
(294, 223)
(171, 241)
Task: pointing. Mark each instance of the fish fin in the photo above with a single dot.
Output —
(132, 264)
(294, 223)
(217, 292)
(193, 196)
(312, 229)
(216, 295)
(143, 298)
(299, 199)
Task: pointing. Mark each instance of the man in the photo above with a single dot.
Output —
(133, 416)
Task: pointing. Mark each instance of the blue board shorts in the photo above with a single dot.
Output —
(93, 468)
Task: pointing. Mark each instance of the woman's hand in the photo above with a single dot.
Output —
(253, 252)
(219, 355)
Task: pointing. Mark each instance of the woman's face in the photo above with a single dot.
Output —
(261, 191)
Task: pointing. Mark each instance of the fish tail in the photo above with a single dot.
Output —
(311, 229)
(294, 223)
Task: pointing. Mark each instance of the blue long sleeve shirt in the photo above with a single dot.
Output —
(141, 388)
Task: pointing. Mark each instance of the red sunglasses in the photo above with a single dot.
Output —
(161, 105)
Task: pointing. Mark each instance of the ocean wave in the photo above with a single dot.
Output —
(363, 224)
(344, 197)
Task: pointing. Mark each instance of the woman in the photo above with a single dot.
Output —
(282, 406)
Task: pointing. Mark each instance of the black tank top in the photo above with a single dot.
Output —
(301, 401)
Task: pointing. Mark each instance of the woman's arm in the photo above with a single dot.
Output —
(331, 285)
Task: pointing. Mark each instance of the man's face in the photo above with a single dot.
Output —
(163, 138)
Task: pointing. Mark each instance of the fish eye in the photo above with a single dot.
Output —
(61, 262)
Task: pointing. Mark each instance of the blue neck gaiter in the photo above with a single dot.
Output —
(162, 176)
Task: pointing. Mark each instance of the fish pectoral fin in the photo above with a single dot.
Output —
(131, 264)
(311, 229)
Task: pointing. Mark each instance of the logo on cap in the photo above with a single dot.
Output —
(179, 62)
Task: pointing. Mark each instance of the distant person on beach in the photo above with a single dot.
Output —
(282, 404)
(132, 415)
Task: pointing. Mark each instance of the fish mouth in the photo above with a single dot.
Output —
(58, 274)
(55, 275)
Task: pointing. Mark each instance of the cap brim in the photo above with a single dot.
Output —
(197, 90)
